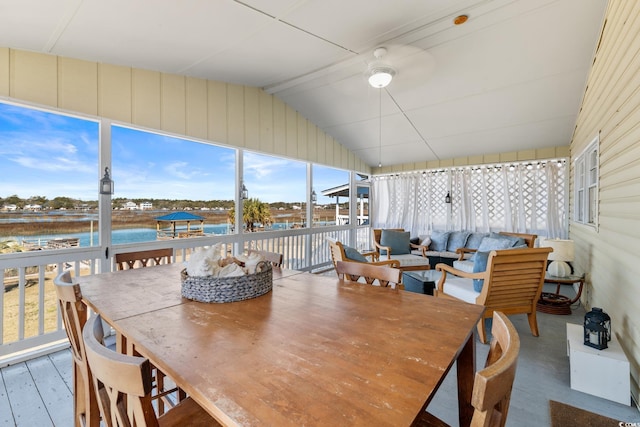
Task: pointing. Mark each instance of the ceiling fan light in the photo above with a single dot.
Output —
(380, 77)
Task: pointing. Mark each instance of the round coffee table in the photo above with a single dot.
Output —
(556, 303)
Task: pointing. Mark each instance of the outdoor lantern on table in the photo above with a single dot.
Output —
(597, 328)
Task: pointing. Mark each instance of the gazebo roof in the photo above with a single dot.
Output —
(343, 190)
(179, 216)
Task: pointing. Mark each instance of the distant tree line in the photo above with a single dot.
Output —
(170, 204)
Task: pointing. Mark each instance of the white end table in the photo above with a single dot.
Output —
(603, 373)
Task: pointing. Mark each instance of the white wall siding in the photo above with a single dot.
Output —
(240, 116)
(610, 253)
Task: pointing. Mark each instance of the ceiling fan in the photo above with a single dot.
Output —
(406, 61)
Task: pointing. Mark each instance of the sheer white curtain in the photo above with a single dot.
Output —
(521, 197)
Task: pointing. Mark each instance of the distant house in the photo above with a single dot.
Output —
(296, 208)
(9, 208)
(33, 208)
(146, 206)
(130, 206)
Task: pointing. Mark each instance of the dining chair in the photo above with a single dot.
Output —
(143, 258)
(492, 385)
(148, 258)
(274, 258)
(123, 386)
(385, 276)
(74, 316)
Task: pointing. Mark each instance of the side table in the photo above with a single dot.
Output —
(556, 303)
(421, 281)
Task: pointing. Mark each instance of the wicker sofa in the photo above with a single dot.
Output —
(458, 246)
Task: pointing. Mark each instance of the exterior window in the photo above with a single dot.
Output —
(586, 185)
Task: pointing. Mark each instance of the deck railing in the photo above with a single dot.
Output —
(30, 324)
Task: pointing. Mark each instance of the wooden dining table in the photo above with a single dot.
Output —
(315, 350)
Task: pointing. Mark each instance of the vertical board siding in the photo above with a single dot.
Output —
(611, 107)
(114, 92)
(173, 104)
(217, 115)
(78, 85)
(146, 99)
(196, 114)
(4, 71)
(240, 116)
(252, 118)
(33, 77)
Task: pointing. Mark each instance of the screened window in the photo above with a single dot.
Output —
(586, 176)
(157, 175)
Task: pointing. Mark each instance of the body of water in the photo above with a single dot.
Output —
(129, 235)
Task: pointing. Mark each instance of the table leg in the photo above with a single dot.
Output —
(466, 373)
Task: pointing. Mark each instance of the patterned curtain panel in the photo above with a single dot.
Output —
(523, 197)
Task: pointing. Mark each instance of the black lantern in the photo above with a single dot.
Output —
(106, 184)
(447, 198)
(597, 328)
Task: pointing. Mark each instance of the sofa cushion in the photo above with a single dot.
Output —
(474, 240)
(457, 239)
(479, 266)
(439, 241)
(353, 254)
(426, 241)
(460, 288)
(398, 241)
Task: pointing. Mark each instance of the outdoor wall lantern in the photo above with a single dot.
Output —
(106, 184)
(597, 329)
(314, 196)
(244, 193)
(447, 198)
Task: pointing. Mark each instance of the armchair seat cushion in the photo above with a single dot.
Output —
(410, 260)
(466, 266)
(461, 289)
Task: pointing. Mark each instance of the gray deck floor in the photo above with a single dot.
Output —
(38, 392)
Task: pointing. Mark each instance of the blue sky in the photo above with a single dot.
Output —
(46, 154)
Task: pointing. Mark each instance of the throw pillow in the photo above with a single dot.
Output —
(439, 240)
(426, 241)
(474, 240)
(489, 244)
(515, 241)
(353, 254)
(457, 239)
(415, 240)
(398, 241)
(479, 265)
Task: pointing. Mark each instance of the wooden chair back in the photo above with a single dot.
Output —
(513, 283)
(337, 254)
(492, 385)
(74, 316)
(274, 258)
(128, 260)
(529, 239)
(385, 276)
(123, 385)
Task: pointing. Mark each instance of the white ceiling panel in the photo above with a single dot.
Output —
(509, 79)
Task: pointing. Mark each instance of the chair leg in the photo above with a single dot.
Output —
(482, 332)
(533, 322)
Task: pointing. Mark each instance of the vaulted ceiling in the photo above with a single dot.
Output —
(510, 78)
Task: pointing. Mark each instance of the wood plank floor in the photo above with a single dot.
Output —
(38, 392)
